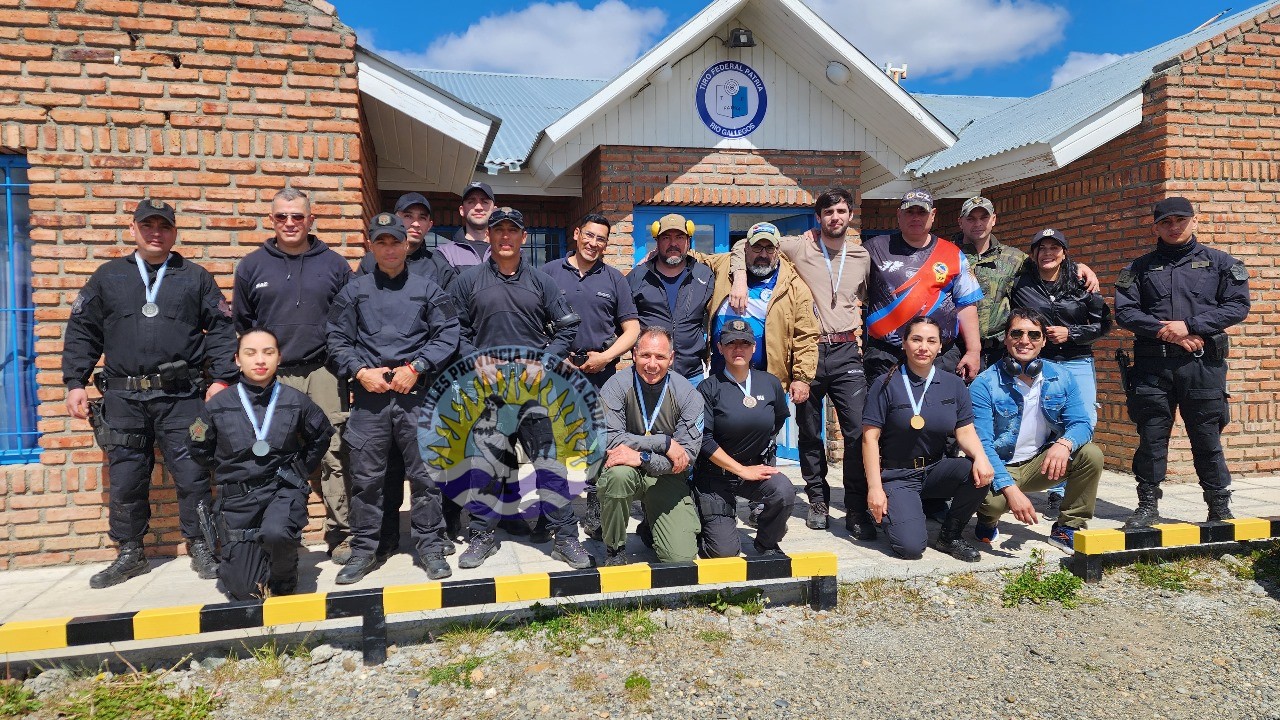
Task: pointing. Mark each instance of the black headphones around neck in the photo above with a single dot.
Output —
(1015, 368)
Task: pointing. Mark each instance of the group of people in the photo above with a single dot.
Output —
(961, 374)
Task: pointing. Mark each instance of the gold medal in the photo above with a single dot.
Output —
(917, 422)
(748, 401)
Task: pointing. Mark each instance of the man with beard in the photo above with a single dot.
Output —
(672, 291)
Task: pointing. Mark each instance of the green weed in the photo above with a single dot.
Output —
(752, 602)
(458, 673)
(713, 637)
(131, 697)
(1036, 585)
(457, 635)
(1174, 576)
(566, 633)
(1262, 564)
(876, 589)
(15, 700)
(638, 687)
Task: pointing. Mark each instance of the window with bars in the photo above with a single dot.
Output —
(543, 245)
(18, 434)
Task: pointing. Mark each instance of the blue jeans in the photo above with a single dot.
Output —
(1081, 370)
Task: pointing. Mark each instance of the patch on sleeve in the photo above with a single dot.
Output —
(444, 303)
(78, 306)
(1239, 272)
(223, 306)
(199, 429)
(1126, 279)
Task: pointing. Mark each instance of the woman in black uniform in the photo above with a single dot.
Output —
(911, 412)
(745, 409)
(263, 440)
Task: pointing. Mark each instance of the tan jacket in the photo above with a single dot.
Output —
(790, 327)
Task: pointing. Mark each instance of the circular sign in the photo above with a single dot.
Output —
(731, 99)
(511, 432)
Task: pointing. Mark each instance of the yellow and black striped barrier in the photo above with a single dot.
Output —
(1096, 548)
(375, 604)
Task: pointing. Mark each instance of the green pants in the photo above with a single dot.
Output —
(1083, 472)
(668, 507)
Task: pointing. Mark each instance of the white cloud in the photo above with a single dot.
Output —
(1081, 63)
(947, 38)
(560, 39)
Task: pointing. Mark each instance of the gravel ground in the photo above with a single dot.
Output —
(928, 647)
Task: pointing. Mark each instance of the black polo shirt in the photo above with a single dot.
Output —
(601, 298)
(745, 433)
(522, 309)
(946, 407)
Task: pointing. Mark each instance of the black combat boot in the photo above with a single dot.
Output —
(128, 563)
(570, 551)
(356, 568)
(591, 523)
(483, 546)
(1148, 510)
(436, 566)
(202, 559)
(615, 557)
(541, 533)
(283, 585)
(949, 542)
(860, 525)
(817, 517)
(1219, 508)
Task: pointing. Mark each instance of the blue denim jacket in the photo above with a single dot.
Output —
(997, 413)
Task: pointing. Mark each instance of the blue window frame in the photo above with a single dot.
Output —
(544, 244)
(19, 439)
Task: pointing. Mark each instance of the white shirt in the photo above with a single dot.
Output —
(1034, 431)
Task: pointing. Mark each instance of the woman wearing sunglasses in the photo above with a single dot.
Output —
(1050, 285)
(911, 413)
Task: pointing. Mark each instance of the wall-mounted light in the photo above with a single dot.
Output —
(741, 38)
(662, 74)
(837, 73)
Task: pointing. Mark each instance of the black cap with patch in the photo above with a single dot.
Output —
(510, 215)
(1050, 234)
(736, 331)
(151, 207)
(482, 187)
(408, 200)
(1173, 207)
(386, 224)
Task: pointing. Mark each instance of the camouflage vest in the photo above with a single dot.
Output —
(997, 269)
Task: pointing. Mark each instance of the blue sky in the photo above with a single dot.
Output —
(969, 47)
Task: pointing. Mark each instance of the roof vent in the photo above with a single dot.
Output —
(897, 73)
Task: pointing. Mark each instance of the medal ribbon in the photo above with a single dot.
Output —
(915, 406)
(745, 388)
(835, 279)
(644, 414)
(152, 291)
(259, 431)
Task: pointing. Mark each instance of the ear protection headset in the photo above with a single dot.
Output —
(653, 229)
(1015, 368)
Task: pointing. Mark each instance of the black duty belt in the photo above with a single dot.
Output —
(1169, 350)
(911, 463)
(236, 489)
(146, 383)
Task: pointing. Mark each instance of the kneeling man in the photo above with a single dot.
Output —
(653, 430)
(1033, 424)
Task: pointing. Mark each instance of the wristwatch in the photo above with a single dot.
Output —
(419, 366)
(645, 457)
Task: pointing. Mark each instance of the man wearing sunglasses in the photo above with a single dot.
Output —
(1035, 430)
(1178, 302)
(287, 286)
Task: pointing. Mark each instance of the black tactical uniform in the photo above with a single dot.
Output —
(262, 500)
(382, 321)
(1209, 290)
(152, 384)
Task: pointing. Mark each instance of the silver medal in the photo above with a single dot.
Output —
(150, 310)
(261, 448)
(749, 401)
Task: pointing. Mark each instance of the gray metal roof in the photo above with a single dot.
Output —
(957, 112)
(526, 103)
(1045, 116)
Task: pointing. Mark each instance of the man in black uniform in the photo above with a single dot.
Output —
(263, 440)
(288, 285)
(159, 320)
(1178, 302)
(673, 290)
(470, 244)
(415, 212)
(390, 331)
(503, 302)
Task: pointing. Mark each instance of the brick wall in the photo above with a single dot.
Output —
(210, 105)
(615, 179)
(539, 211)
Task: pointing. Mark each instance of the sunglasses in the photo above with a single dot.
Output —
(284, 217)
(1032, 335)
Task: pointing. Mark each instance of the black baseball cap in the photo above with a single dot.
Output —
(1050, 234)
(151, 207)
(482, 187)
(408, 200)
(919, 197)
(387, 224)
(736, 331)
(1173, 207)
(509, 214)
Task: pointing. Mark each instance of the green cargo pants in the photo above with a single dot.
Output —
(668, 506)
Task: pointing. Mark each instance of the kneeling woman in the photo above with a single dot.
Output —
(744, 410)
(911, 412)
(263, 440)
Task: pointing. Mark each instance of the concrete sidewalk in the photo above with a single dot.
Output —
(64, 591)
